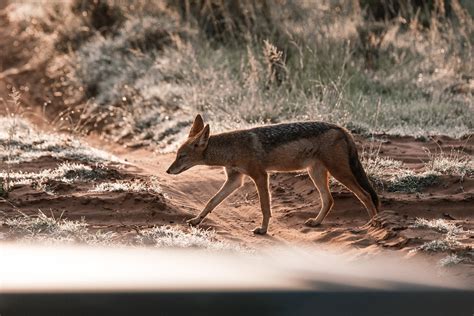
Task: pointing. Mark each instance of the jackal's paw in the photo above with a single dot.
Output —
(260, 231)
(194, 221)
(312, 222)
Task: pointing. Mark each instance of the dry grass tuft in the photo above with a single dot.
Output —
(27, 144)
(51, 230)
(171, 237)
(440, 225)
(152, 186)
(450, 241)
(456, 162)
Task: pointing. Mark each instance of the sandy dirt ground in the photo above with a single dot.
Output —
(294, 199)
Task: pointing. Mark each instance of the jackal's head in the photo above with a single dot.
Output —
(191, 153)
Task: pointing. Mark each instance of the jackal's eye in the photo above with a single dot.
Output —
(181, 156)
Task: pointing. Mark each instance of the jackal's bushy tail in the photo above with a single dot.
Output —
(359, 172)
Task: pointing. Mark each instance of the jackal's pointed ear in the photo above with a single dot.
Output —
(203, 137)
(198, 125)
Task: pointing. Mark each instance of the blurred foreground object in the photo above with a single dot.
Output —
(44, 280)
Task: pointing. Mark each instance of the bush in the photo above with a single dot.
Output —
(411, 183)
(233, 22)
(3, 189)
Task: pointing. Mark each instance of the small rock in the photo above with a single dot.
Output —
(446, 215)
(280, 190)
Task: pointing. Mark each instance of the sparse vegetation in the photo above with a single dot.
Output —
(450, 260)
(65, 172)
(453, 163)
(171, 237)
(440, 225)
(391, 175)
(379, 169)
(12, 111)
(145, 72)
(450, 241)
(48, 229)
(129, 186)
(409, 181)
(447, 244)
(3, 189)
(27, 144)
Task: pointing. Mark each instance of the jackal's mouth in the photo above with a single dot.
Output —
(182, 169)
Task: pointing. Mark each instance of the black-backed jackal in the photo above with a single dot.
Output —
(318, 147)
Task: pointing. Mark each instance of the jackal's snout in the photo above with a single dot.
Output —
(176, 167)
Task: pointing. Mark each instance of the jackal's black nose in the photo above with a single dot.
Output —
(168, 171)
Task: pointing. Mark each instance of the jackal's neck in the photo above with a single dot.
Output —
(218, 151)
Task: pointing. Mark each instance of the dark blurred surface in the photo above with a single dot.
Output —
(40, 280)
(420, 302)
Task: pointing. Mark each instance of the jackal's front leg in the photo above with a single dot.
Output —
(233, 182)
(261, 181)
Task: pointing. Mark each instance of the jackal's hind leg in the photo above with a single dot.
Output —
(233, 182)
(319, 174)
(359, 192)
(342, 173)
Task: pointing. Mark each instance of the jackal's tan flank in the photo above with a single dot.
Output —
(318, 147)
